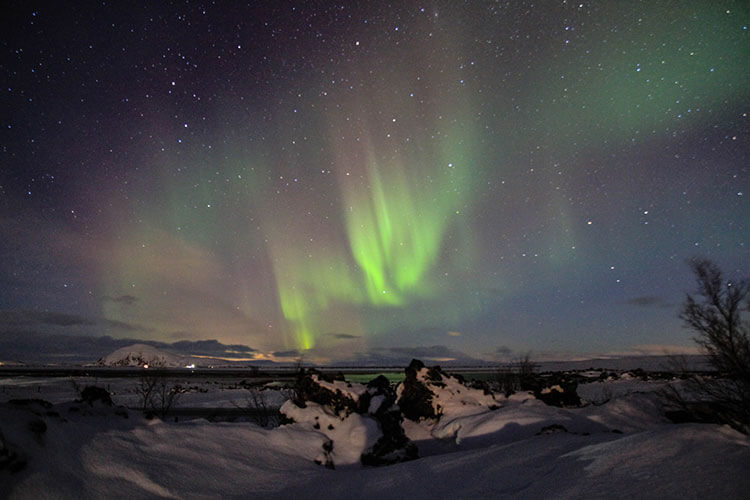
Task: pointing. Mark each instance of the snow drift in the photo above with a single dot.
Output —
(471, 444)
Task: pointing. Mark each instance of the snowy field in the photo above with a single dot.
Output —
(201, 393)
(618, 444)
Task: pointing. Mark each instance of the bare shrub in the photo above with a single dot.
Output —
(76, 387)
(515, 376)
(157, 395)
(165, 397)
(257, 409)
(145, 390)
(526, 369)
(506, 381)
(299, 378)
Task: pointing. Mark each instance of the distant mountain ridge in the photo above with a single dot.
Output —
(142, 355)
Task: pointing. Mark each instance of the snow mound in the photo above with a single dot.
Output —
(361, 423)
(512, 422)
(142, 355)
(348, 436)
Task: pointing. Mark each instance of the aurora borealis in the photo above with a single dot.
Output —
(355, 180)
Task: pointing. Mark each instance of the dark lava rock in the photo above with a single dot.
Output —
(378, 402)
(307, 388)
(381, 397)
(419, 393)
(37, 426)
(389, 451)
(435, 375)
(568, 397)
(477, 384)
(416, 398)
(414, 366)
(92, 394)
(555, 389)
(325, 460)
(552, 429)
(379, 385)
(393, 446)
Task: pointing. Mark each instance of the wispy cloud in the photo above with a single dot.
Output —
(207, 347)
(502, 352)
(127, 300)
(286, 354)
(344, 336)
(38, 347)
(401, 356)
(660, 350)
(44, 322)
(40, 318)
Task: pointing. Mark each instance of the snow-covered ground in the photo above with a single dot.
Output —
(200, 393)
(622, 448)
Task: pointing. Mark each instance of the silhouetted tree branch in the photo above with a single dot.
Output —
(715, 314)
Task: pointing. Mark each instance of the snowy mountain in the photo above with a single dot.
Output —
(142, 355)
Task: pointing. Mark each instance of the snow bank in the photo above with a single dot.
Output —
(512, 422)
(698, 461)
(95, 453)
(522, 449)
(629, 413)
(350, 436)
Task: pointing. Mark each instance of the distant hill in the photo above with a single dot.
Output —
(140, 355)
(648, 363)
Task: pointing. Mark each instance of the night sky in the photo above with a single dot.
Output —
(359, 180)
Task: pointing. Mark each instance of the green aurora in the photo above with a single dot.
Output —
(384, 205)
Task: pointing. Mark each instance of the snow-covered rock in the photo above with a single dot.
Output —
(428, 393)
(332, 391)
(142, 355)
(350, 435)
(556, 388)
(360, 422)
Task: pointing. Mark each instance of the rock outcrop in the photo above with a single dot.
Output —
(556, 389)
(428, 393)
(364, 423)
